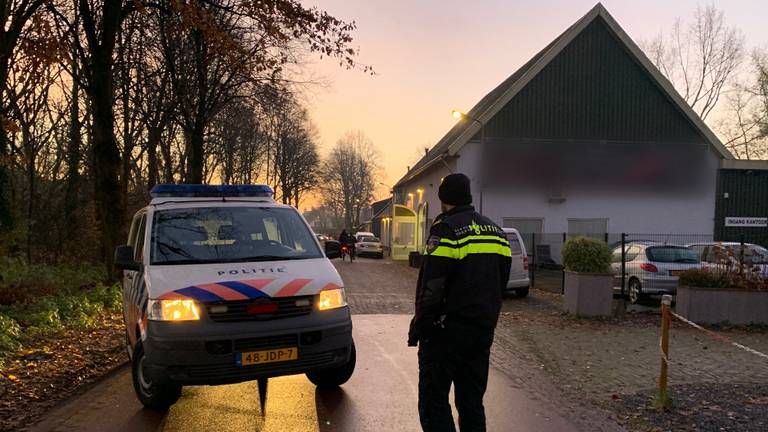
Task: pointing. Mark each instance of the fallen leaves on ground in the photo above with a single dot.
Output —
(38, 377)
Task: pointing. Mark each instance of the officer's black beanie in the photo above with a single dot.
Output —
(454, 190)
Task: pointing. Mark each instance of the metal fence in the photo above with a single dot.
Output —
(644, 265)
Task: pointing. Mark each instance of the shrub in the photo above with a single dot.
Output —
(9, 333)
(21, 282)
(702, 278)
(586, 255)
(724, 277)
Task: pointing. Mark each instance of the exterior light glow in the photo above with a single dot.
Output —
(457, 114)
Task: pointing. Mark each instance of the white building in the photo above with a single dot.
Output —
(587, 137)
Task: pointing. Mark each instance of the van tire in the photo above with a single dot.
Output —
(522, 292)
(155, 396)
(336, 376)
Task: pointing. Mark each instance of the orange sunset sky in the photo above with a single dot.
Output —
(431, 56)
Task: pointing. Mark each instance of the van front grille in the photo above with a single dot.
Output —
(287, 307)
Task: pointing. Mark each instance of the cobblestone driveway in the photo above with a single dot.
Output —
(575, 365)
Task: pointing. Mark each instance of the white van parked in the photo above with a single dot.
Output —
(221, 285)
(519, 282)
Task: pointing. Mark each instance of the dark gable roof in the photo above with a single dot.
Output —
(492, 102)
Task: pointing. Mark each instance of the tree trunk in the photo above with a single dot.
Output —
(110, 203)
(73, 159)
(153, 138)
(6, 216)
(195, 144)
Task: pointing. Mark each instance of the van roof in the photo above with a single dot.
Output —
(165, 193)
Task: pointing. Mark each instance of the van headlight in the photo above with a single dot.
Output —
(173, 310)
(331, 299)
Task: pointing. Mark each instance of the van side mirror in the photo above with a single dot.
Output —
(124, 258)
(332, 249)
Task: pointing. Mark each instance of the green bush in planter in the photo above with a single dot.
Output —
(703, 278)
(586, 255)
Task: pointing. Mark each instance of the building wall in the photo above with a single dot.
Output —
(747, 191)
(628, 211)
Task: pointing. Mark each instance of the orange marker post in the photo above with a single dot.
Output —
(663, 399)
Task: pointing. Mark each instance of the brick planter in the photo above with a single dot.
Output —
(711, 306)
(588, 294)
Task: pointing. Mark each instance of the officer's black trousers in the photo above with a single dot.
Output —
(457, 356)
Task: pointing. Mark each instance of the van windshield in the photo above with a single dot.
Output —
(230, 234)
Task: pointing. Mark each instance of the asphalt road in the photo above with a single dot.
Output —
(381, 396)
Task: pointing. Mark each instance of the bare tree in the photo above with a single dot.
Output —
(744, 125)
(700, 59)
(238, 143)
(348, 176)
(292, 156)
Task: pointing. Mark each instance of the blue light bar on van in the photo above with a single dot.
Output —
(201, 190)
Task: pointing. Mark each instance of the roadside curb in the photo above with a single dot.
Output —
(78, 391)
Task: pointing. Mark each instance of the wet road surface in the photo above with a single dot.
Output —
(381, 396)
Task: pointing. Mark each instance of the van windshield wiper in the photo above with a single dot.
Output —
(187, 261)
(233, 260)
(270, 258)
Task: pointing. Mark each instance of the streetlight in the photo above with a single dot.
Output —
(462, 115)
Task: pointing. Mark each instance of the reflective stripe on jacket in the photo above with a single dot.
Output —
(464, 270)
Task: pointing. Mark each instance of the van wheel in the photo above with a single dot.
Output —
(155, 396)
(334, 377)
(522, 292)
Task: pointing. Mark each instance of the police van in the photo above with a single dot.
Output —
(221, 285)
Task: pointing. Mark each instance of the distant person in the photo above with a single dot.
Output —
(458, 298)
(344, 237)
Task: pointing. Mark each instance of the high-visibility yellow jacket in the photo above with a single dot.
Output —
(464, 269)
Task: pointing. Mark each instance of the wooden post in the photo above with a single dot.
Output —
(663, 400)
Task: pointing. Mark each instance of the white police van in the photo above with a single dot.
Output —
(222, 285)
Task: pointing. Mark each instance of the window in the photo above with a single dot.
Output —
(514, 244)
(701, 250)
(527, 227)
(671, 254)
(630, 253)
(230, 234)
(595, 228)
(138, 247)
(404, 233)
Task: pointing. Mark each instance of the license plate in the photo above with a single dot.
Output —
(267, 356)
(675, 272)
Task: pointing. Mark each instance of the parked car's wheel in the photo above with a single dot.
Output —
(522, 292)
(334, 377)
(156, 396)
(381, 255)
(635, 291)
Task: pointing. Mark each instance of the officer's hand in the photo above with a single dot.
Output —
(413, 340)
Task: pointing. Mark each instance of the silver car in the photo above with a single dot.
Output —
(369, 245)
(652, 268)
(730, 253)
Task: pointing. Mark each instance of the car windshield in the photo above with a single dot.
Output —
(671, 254)
(370, 240)
(230, 234)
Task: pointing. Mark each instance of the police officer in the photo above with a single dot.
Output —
(458, 298)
